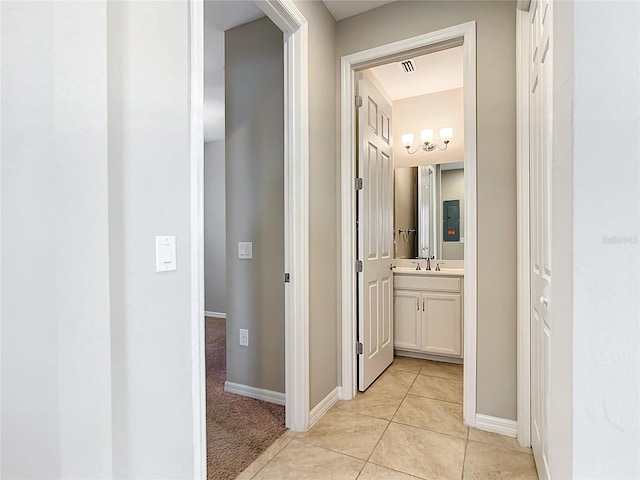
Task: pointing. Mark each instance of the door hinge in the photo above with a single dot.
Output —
(359, 348)
(358, 102)
(287, 278)
(359, 183)
(359, 266)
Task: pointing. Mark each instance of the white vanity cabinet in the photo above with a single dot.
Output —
(428, 313)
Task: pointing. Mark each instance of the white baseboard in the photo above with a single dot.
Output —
(496, 425)
(323, 407)
(257, 393)
(215, 314)
(428, 356)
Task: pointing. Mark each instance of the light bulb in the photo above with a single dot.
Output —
(426, 135)
(407, 139)
(446, 134)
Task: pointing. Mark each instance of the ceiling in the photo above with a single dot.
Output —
(434, 72)
(345, 9)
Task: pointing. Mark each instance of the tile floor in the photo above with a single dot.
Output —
(407, 425)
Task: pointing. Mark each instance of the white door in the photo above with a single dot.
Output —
(540, 216)
(375, 234)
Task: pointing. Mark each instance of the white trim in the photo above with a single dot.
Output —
(523, 239)
(288, 18)
(323, 407)
(470, 320)
(498, 425)
(253, 392)
(198, 361)
(348, 65)
(428, 356)
(214, 314)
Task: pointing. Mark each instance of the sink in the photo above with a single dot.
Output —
(443, 271)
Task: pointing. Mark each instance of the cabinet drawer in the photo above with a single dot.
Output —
(423, 282)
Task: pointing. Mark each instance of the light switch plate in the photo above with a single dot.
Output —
(245, 250)
(244, 337)
(165, 253)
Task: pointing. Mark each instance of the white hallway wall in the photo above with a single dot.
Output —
(606, 228)
(96, 347)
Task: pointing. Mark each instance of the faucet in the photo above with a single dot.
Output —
(438, 266)
(429, 262)
(417, 265)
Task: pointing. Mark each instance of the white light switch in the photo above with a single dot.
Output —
(245, 250)
(165, 253)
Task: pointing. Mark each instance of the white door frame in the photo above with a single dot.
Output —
(288, 18)
(368, 58)
(523, 304)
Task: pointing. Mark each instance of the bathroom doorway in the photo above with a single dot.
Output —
(463, 38)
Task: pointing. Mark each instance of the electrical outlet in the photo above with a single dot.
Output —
(244, 337)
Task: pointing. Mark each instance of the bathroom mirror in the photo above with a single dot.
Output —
(429, 211)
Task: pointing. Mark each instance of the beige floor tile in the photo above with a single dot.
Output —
(394, 380)
(497, 440)
(376, 472)
(301, 460)
(439, 388)
(441, 369)
(259, 463)
(420, 452)
(383, 405)
(382, 399)
(435, 415)
(407, 364)
(488, 461)
(346, 432)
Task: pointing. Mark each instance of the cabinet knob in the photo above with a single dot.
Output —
(544, 301)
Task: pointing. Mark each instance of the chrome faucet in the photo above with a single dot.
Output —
(429, 263)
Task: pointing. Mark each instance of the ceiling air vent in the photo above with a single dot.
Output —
(408, 66)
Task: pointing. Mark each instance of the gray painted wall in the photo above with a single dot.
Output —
(254, 126)
(496, 99)
(324, 267)
(452, 188)
(215, 255)
(405, 211)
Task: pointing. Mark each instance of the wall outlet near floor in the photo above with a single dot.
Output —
(244, 337)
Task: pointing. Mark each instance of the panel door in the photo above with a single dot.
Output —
(407, 320)
(540, 101)
(375, 234)
(442, 324)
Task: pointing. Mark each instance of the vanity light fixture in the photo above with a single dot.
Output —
(428, 145)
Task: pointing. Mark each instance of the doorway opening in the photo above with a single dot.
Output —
(294, 166)
(462, 36)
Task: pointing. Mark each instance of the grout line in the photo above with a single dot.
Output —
(378, 442)
(433, 398)
(464, 457)
(395, 470)
(276, 454)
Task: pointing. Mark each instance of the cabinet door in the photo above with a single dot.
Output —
(407, 319)
(441, 324)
